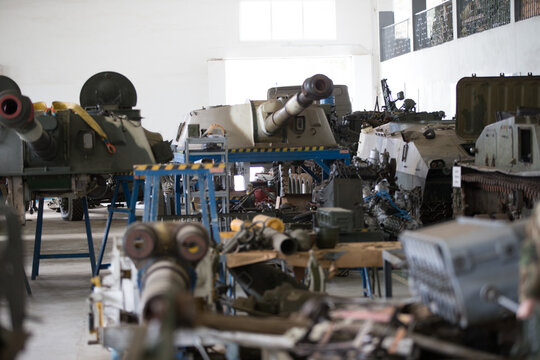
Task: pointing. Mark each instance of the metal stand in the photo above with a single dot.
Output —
(207, 195)
(131, 202)
(37, 242)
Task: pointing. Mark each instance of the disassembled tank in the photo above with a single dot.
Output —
(269, 123)
(70, 150)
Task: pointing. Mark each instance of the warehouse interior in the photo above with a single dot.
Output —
(277, 179)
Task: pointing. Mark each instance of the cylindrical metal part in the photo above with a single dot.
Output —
(144, 240)
(192, 242)
(281, 242)
(271, 222)
(162, 281)
(314, 88)
(236, 225)
(303, 240)
(17, 113)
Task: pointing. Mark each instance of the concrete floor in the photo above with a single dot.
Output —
(58, 308)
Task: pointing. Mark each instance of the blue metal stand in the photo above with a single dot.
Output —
(204, 173)
(131, 202)
(321, 155)
(37, 242)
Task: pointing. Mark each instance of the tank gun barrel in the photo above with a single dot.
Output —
(314, 88)
(17, 113)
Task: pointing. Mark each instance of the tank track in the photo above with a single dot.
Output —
(502, 183)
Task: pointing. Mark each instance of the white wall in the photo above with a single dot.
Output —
(429, 76)
(51, 47)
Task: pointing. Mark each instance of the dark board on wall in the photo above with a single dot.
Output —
(478, 15)
(433, 26)
(395, 40)
(526, 9)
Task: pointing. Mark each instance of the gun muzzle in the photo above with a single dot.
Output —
(17, 113)
(314, 88)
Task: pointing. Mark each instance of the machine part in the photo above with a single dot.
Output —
(280, 242)
(140, 241)
(314, 88)
(161, 283)
(270, 222)
(108, 88)
(450, 263)
(192, 242)
(17, 113)
(187, 242)
(303, 239)
(256, 279)
(490, 293)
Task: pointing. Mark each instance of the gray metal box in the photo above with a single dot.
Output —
(451, 262)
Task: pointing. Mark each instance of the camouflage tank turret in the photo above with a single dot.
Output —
(70, 150)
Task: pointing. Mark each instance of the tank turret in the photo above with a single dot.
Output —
(293, 122)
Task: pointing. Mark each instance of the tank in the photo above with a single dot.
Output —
(292, 122)
(504, 179)
(70, 150)
(421, 155)
(423, 152)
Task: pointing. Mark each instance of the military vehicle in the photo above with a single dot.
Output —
(269, 123)
(504, 178)
(423, 153)
(69, 150)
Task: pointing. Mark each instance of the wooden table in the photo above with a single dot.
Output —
(355, 255)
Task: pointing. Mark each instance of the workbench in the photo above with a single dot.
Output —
(355, 255)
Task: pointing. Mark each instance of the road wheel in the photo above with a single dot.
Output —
(71, 209)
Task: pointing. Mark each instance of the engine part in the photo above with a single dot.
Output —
(188, 242)
(161, 283)
(450, 263)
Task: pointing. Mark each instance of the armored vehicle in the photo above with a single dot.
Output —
(504, 178)
(269, 123)
(69, 150)
(424, 152)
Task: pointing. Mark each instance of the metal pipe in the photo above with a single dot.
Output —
(162, 282)
(17, 113)
(281, 242)
(314, 88)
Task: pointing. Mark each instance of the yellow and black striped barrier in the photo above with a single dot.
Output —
(280, 149)
(155, 167)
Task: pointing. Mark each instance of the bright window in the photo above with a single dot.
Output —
(287, 20)
(251, 78)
